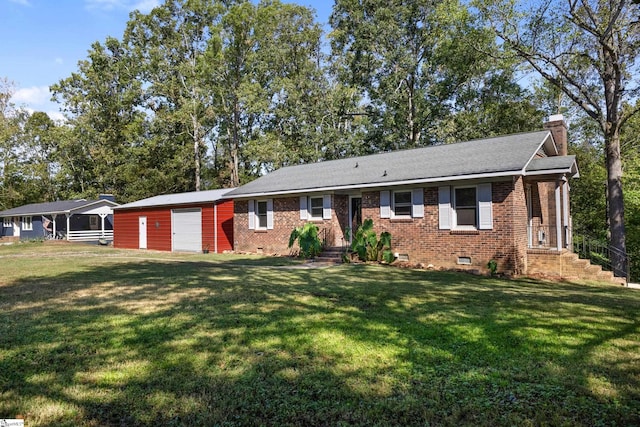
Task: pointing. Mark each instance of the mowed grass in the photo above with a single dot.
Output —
(93, 336)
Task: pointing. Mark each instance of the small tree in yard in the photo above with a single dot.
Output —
(307, 237)
(367, 245)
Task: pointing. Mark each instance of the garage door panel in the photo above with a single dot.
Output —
(186, 226)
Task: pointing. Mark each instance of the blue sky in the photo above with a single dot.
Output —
(43, 40)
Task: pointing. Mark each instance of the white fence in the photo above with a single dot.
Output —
(90, 235)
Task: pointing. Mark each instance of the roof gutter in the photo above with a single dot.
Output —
(380, 184)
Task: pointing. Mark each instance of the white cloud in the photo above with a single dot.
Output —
(35, 95)
(143, 6)
(22, 2)
(58, 61)
(56, 116)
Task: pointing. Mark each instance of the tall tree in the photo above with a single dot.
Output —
(589, 50)
(11, 121)
(413, 60)
(40, 138)
(177, 44)
(102, 102)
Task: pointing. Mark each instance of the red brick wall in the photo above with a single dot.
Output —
(420, 238)
(286, 218)
(423, 241)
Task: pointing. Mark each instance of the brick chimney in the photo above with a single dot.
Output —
(558, 129)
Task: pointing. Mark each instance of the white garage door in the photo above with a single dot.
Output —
(186, 225)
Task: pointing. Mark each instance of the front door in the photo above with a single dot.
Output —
(142, 232)
(355, 214)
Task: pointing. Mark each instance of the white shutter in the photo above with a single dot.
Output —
(444, 207)
(269, 214)
(326, 206)
(252, 214)
(417, 198)
(304, 213)
(485, 208)
(385, 207)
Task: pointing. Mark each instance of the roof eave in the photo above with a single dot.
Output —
(378, 184)
(546, 142)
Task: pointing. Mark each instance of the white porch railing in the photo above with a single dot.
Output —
(90, 235)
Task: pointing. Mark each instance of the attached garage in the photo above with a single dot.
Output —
(185, 222)
(186, 225)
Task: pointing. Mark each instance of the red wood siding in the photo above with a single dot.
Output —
(225, 226)
(126, 235)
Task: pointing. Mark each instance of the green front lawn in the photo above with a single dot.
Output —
(92, 336)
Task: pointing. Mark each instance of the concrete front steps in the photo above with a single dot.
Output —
(331, 255)
(567, 265)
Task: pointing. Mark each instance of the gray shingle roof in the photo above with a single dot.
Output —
(59, 207)
(499, 156)
(545, 164)
(178, 199)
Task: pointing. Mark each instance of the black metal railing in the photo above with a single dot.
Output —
(604, 255)
(324, 237)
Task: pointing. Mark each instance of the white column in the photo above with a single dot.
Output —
(68, 224)
(53, 217)
(565, 214)
(102, 217)
(558, 216)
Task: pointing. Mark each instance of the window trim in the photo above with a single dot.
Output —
(313, 217)
(454, 205)
(27, 223)
(394, 204)
(266, 214)
(7, 222)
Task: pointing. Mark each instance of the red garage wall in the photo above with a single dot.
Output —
(224, 226)
(125, 226)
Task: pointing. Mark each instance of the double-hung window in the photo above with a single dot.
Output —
(402, 204)
(27, 225)
(465, 207)
(6, 222)
(316, 207)
(261, 214)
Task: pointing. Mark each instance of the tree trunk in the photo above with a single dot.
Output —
(616, 201)
(235, 174)
(196, 149)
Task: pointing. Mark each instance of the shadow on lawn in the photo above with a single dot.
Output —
(195, 343)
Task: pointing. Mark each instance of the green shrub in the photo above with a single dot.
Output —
(308, 240)
(493, 267)
(369, 247)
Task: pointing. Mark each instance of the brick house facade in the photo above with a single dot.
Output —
(462, 220)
